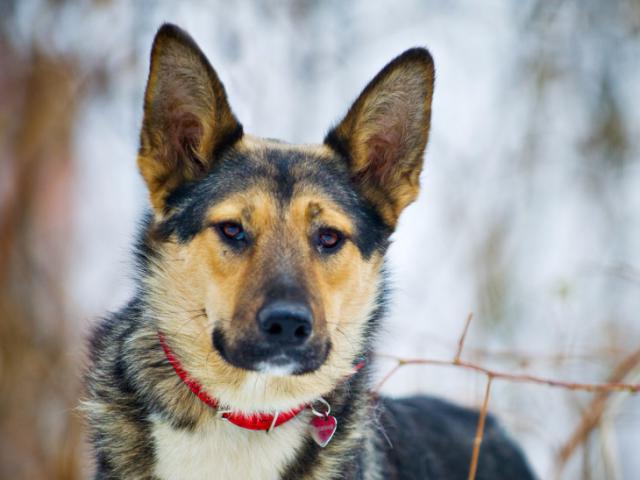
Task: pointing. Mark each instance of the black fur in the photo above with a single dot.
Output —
(433, 439)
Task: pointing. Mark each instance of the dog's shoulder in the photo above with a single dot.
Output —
(427, 437)
(116, 416)
(107, 335)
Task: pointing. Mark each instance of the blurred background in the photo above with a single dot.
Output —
(529, 215)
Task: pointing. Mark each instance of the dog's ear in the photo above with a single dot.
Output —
(187, 118)
(384, 134)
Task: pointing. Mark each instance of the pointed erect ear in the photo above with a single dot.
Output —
(385, 132)
(187, 118)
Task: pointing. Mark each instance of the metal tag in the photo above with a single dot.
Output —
(323, 428)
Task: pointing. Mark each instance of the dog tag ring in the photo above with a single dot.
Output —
(323, 425)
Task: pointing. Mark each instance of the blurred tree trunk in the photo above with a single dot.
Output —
(38, 98)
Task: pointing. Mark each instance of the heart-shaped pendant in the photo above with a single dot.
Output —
(323, 428)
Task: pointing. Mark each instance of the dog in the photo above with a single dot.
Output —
(246, 350)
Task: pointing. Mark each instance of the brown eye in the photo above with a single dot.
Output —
(232, 231)
(329, 239)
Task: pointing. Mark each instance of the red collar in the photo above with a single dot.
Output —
(254, 421)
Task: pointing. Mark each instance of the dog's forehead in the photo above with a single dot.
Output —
(292, 165)
(257, 145)
(277, 168)
(280, 171)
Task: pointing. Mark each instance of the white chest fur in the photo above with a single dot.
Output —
(221, 450)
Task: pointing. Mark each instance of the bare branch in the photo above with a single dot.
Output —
(594, 412)
(522, 378)
(477, 441)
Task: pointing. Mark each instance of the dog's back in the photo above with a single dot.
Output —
(429, 438)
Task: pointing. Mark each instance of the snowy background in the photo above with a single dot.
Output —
(529, 215)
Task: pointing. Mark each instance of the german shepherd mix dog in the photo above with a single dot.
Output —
(245, 353)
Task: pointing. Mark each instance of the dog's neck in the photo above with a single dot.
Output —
(215, 445)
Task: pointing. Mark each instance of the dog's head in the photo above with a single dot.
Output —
(267, 256)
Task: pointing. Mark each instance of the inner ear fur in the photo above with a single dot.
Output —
(385, 132)
(187, 118)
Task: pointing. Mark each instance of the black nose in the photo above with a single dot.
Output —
(285, 323)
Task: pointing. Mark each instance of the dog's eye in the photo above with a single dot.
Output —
(232, 231)
(329, 239)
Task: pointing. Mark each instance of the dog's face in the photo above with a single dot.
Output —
(268, 256)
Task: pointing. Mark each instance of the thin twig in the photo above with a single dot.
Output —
(595, 410)
(477, 441)
(524, 378)
(456, 359)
